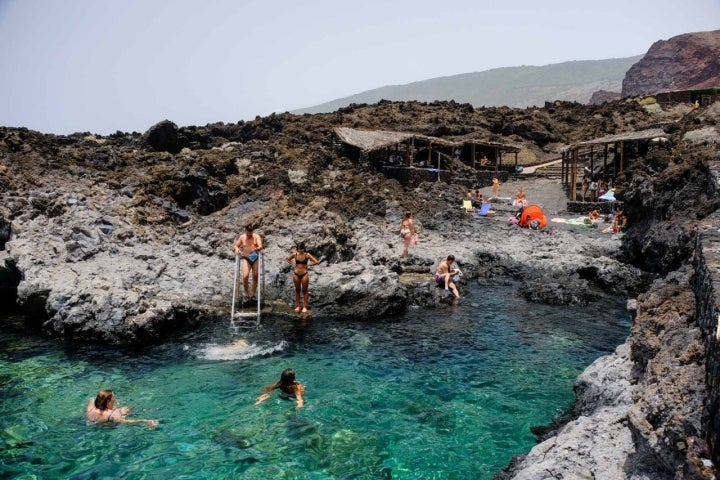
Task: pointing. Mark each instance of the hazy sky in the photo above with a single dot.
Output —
(107, 65)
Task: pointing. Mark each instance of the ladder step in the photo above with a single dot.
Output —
(245, 314)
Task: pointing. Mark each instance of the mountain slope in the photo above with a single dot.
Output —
(511, 86)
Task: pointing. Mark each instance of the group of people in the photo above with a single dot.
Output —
(619, 222)
(591, 190)
(447, 271)
(247, 247)
(102, 409)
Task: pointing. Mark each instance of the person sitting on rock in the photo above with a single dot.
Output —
(102, 409)
(444, 275)
(520, 199)
(619, 223)
(288, 386)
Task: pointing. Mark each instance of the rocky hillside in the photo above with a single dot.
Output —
(126, 239)
(511, 86)
(687, 61)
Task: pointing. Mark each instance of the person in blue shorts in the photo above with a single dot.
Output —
(248, 245)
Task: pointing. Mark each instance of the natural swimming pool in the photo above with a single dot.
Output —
(442, 394)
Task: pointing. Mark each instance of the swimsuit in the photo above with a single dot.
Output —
(300, 262)
(252, 258)
(440, 279)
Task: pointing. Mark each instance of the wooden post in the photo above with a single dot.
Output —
(498, 157)
(573, 175)
(408, 152)
(473, 156)
(605, 162)
(592, 162)
(438, 166)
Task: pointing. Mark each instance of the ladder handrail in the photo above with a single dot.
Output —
(260, 290)
(234, 290)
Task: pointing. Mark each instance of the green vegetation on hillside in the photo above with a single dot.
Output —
(510, 86)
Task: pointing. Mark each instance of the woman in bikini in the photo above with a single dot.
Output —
(288, 386)
(301, 278)
(102, 409)
(407, 230)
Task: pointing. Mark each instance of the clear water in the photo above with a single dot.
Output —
(434, 394)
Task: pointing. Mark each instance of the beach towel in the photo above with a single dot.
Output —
(484, 209)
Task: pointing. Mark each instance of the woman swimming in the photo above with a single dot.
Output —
(301, 278)
(102, 410)
(287, 385)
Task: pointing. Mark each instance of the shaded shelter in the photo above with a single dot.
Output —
(704, 94)
(625, 147)
(394, 153)
(412, 158)
(473, 148)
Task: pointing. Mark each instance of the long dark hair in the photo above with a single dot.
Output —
(103, 399)
(287, 378)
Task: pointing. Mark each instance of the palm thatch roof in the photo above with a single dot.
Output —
(477, 139)
(371, 140)
(625, 137)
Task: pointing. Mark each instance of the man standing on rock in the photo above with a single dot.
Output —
(248, 245)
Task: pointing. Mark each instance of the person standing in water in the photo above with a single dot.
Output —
(248, 245)
(288, 386)
(102, 409)
(407, 231)
(301, 278)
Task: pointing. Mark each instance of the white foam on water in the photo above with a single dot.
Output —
(214, 351)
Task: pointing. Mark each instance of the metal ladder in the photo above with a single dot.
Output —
(261, 280)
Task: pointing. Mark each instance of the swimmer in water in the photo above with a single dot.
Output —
(288, 385)
(102, 409)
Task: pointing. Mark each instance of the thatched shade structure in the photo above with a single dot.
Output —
(570, 155)
(473, 145)
(371, 140)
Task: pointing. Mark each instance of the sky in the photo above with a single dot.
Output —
(101, 66)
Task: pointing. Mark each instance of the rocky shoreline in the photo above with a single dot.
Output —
(124, 239)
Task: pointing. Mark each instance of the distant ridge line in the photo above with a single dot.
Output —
(518, 87)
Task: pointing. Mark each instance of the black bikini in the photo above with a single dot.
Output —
(300, 262)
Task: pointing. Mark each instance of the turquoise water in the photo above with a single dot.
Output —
(434, 394)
